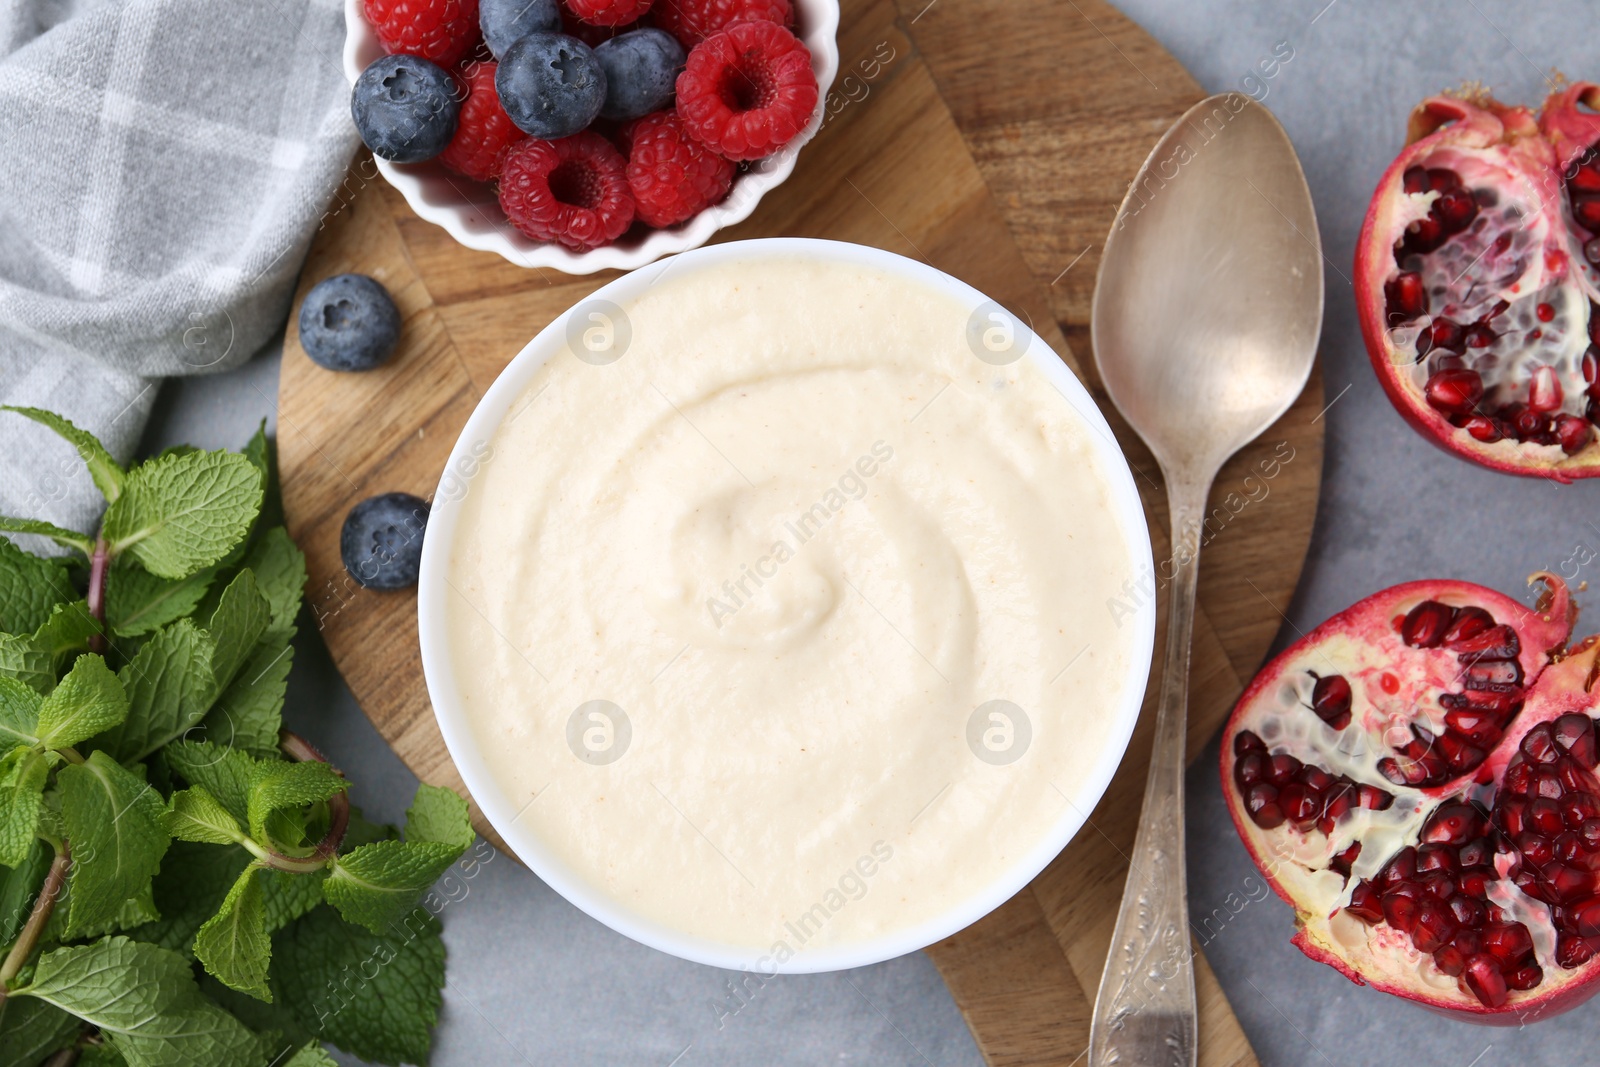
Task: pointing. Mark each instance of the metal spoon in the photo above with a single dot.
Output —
(1206, 315)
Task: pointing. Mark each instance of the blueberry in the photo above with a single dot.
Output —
(551, 85)
(503, 21)
(348, 322)
(405, 108)
(641, 68)
(381, 542)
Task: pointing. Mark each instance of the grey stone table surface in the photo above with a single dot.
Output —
(532, 980)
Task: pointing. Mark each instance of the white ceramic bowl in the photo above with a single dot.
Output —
(501, 810)
(470, 213)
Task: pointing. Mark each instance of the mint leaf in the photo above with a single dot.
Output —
(105, 471)
(169, 686)
(311, 1056)
(280, 784)
(239, 619)
(363, 831)
(114, 824)
(195, 815)
(136, 911)
(249, 713)
(65, 538)
(225, 772)
(19, 713)
(29, 587)
(438, 815)
(38, 658)
(138, 602)
(280, 570)
(30, 1030)
(188, 890)
(19, 885)
(145, 1002)
(387, 1018)
(233, 944)
(376, 885)
(22, 776)
(179, 514)
(288, 895)
(88, 700)
(100, 1056)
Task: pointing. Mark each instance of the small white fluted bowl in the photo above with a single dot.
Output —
(470, 212)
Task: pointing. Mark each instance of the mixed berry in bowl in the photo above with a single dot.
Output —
(593, 121)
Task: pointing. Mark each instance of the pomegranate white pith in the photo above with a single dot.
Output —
(1478, 281)
(1417, 778)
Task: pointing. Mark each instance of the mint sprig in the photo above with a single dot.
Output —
(180, 878)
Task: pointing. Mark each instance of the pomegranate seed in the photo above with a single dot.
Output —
(1415, 180)
(1372, 798)
(1425, 624)
(1330, 699)
(1245, 741)
(1461, 756)
(1524, 978)
(1566, 882)
(1442, 180)
(1435, 926)
(1545, 312)
(1421, 237)
(1365, 903)
(1546, 783)
(1250, 769)
(1586, 209)
(1466, 911)
(1539, 744)
(1474, 853)
(1438, 885)
(1589, 833)
(1341, 863)
(1474, 725)
(1451, 960)
(1406, 297)
(1591, 251)
(1298, 805)
(1568, 848)
(1585, 177)
(1575, 733)
(1586, 917)
(1486, 430)
(1282, 768)
(1544, 390)
(1509, 943)
(1402, 867)
(1578, 809)
(1455, 392)
(1475, 881)
(1572, 951)
(1447, 335)
(1315, 778)
(1261, 801)
(1454, 824)
(1437, 858)
(1485, 979)
(1496, 675)
(1574, 777)
(1470, 621)
(1511, 814)
(1401, 908)
(1496, 642)
(1572, 433)
(1535, 849)
(1456, 209)
(1591, 410)
(1335, 805)
(1479, 335)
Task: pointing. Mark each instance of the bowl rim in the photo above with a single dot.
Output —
(501, 813)
(484, 231)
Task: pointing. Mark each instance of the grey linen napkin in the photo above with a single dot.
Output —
(164, 165)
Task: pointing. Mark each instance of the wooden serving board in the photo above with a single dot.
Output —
(1006, 173)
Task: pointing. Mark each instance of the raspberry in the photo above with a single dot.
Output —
(747, 90)
(574, 190)
(673, 176)
(484, 129)
(438, 30)
(692, 21)
(609, 12)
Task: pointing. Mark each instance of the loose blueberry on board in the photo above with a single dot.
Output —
(641, 68)
(405, 108)
(504, 21)
(349, 323)
(551, 85)
(381, 542)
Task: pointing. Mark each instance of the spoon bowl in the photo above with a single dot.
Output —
(1207, 310)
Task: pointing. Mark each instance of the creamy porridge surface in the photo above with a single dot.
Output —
(745, 617)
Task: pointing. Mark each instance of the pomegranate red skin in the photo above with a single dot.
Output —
(1539, 148)
(1564, 686)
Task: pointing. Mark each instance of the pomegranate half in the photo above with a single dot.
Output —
(1417, 778)
(1478, 277)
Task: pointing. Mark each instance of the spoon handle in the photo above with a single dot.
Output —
(1144, 1014)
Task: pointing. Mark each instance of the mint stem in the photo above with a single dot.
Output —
(300, 750)
(99, 563)
(65, 1058)
(43, 905)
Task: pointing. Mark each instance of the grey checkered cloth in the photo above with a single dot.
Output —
(163, 167)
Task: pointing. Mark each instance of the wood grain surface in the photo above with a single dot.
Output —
(1006, 175)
